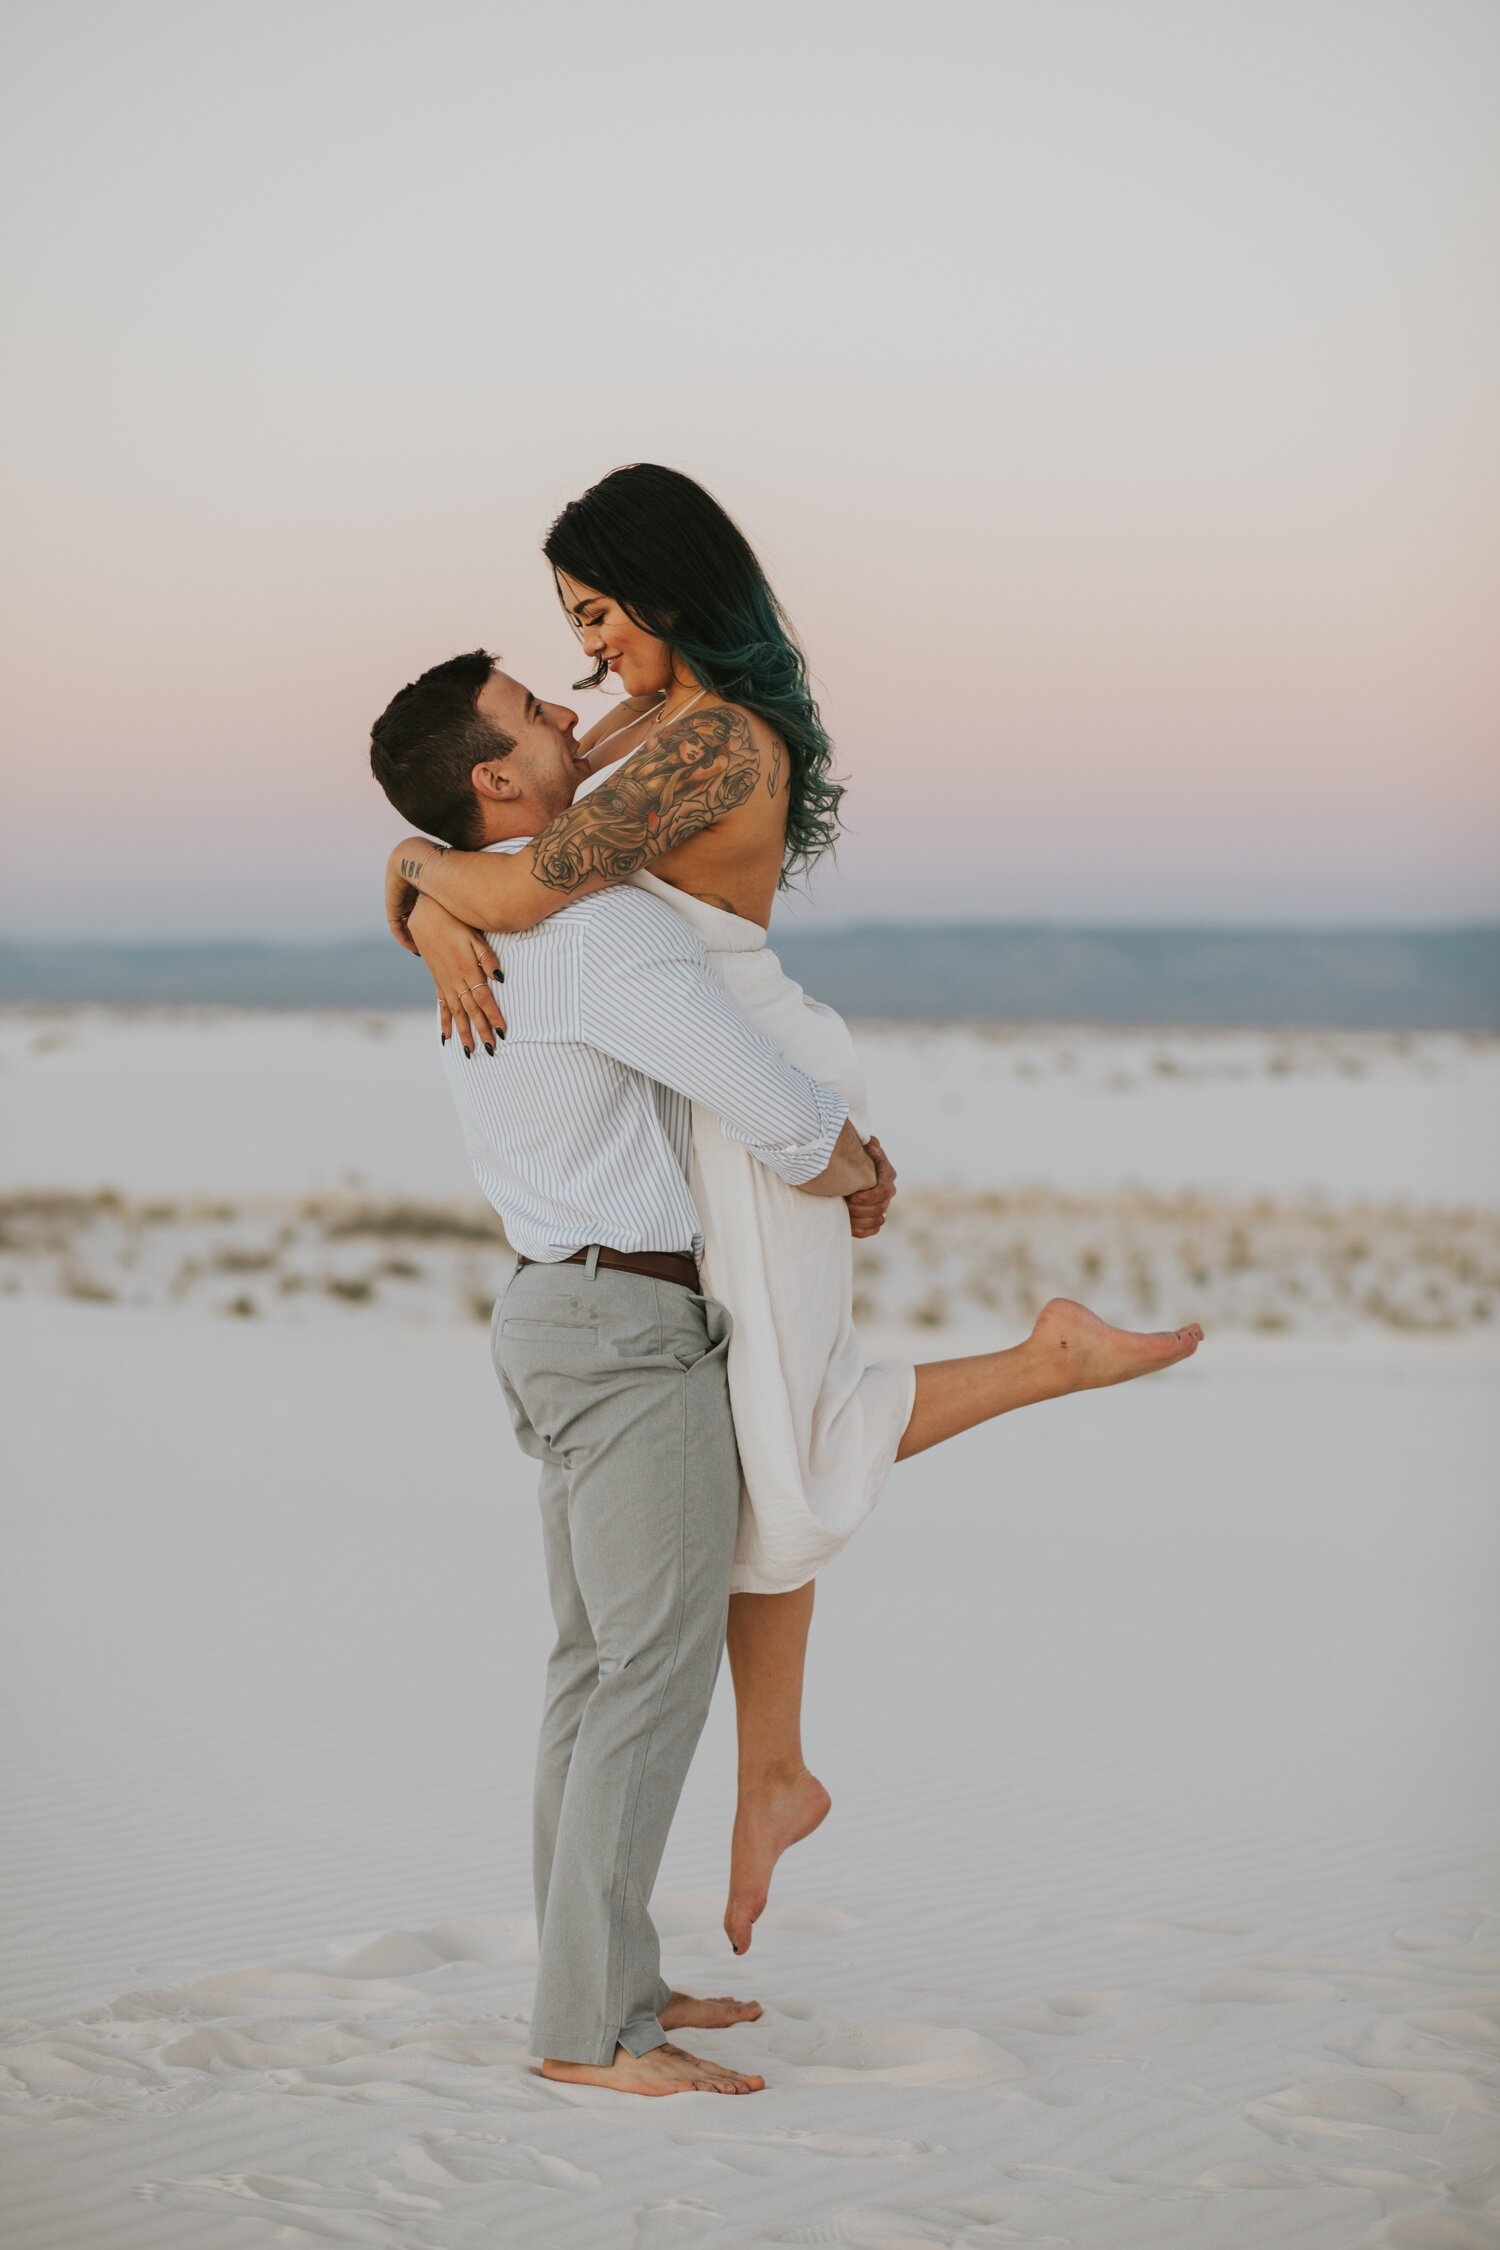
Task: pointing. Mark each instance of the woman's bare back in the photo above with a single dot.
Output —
(736, 861)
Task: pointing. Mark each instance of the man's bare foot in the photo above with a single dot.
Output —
(772, 1814)
(665, 2070)
(1081, 1352)
(683, 2013)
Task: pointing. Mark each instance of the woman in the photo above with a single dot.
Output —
(723, 795)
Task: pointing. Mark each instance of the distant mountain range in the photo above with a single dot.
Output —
(1397, 979)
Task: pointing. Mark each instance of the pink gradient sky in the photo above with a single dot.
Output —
(1109, 390)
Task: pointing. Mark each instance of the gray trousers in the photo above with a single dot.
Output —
(617, 1384)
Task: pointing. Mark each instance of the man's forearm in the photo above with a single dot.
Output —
(849, 1169)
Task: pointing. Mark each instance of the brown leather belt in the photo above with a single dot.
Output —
(660, 1265)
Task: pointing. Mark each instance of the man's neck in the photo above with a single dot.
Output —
(589, 783)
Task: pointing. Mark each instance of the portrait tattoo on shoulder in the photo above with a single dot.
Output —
(703, 766)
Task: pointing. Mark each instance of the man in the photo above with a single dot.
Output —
(612, 1361)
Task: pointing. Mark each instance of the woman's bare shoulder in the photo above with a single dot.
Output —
(746, 745)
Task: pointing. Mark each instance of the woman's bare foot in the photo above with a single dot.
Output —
(683, 2013)
(1069, 1349)
(665, 2070)
(1081, 1352)
(772, 1813)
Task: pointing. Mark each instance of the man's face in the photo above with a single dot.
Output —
(544, 768)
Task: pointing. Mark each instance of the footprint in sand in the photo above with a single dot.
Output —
(488, 1940)
(1232, 2179)
(768, 2155)
(270, 2045)
(1468, 2022)
(877, 2229)
(1062, 2014)
(77, 2064)
(1351, 1978)
(448, 2157)
(299, 1993)
(672, 2226)
(1250, 1991)
(1432, 2037)
(1437, 1933)
(306, 2207)
(1440, 2230)
(461, 2066)
(1417, 2102)
(890, 2054)
(77, 2070)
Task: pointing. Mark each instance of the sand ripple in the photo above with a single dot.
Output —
(407, 2054)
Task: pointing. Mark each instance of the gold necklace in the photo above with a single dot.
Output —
(664, 715)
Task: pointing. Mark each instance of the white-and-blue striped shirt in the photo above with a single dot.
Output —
(579, 1125)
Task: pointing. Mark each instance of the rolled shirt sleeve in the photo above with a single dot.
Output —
(658, 1008)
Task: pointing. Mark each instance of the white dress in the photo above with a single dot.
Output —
(818, 1424)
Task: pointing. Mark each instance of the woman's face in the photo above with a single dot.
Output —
(640, 662)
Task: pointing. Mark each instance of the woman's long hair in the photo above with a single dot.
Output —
(664, 549)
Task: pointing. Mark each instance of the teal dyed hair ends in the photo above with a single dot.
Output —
(664, 549)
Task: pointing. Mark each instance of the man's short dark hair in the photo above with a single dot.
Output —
(428, 740)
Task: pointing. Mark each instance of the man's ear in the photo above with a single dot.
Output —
(493, 781)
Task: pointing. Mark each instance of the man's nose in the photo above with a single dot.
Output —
(562, 717)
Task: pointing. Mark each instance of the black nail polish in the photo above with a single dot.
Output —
(499, 1034)
(488, 1048)
(444, 1040)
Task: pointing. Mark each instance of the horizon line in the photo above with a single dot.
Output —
(1460, 926)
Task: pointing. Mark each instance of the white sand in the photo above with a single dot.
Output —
(1159, 1902)
(248, 1103)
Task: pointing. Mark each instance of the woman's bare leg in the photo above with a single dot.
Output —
(780, 1802)
(1069, 1349)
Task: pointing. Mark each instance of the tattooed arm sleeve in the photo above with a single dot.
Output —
(680, 784)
